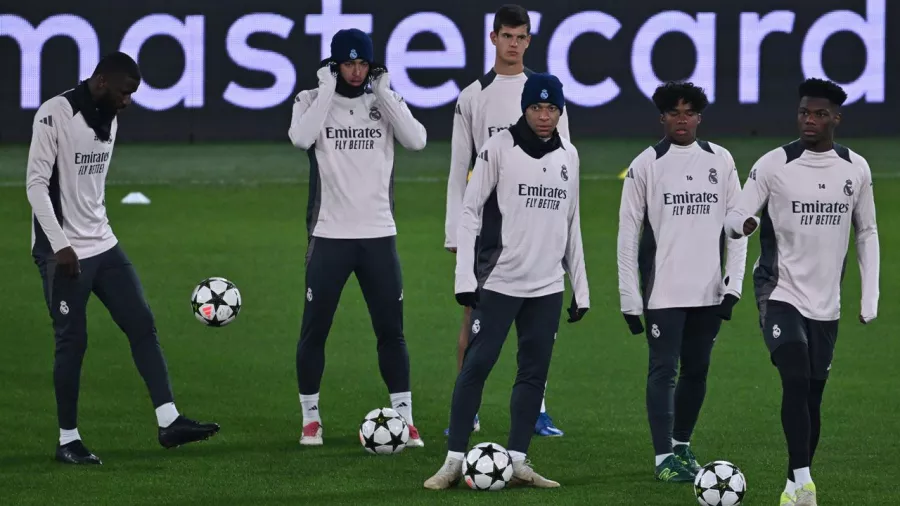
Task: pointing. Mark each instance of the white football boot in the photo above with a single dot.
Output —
(523, 474)
(448, 475)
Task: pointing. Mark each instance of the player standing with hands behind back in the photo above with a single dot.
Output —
(679, 192)
(484, 108)
(810, 192)
(349, 135)
(77, 253)
(524, 199)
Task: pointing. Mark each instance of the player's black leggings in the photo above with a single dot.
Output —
(537, 322)
(801, 404)
(111, 276)
(329, 263)
(676, 336)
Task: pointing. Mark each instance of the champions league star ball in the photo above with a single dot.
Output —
(383, 432)
(487, 466)
(216, 302)
(720, 483)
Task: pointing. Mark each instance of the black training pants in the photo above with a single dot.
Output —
(674, 335)
(111, 276)
(537, 321)
(329, 263)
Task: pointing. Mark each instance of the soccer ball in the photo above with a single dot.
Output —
(383, 432)
(216, 302)
(720, 483)
(487, 466)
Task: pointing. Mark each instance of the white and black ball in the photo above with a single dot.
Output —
(720, 483)
(216, 302)
(487, 466)
(383, 432)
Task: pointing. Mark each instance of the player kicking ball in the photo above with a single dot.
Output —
(484, 108)
(809, 192)
(674, 201)
(77, 253)
(348, 126)
(523, 198)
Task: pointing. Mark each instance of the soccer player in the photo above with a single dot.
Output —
(348, 125)
(810, 192)
(77, 253)
(523, 198)
(671, 218)
(488, 106)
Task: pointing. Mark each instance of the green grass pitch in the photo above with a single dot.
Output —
(238, 211)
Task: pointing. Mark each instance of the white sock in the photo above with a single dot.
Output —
(166, 414)
(402, 403)
(680, 443)
(310, 405)
(66, 436)
(456, 455)
(661, 458)
(790, 487)
(802, 477)
(544, 406)
(517, 456)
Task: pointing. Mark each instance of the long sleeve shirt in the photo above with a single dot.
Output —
(808, 201)
(524, 210)
(66, 178)
(350, 144)
(671, 240)
(489, 105)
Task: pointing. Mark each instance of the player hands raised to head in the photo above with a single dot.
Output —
(488, 106)
(348, 125)
(809, 192)
(523, 198)
(670, 247)
(77, 253)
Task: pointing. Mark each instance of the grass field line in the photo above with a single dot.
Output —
(303, 181)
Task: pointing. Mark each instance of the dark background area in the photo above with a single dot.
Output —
(592, 58)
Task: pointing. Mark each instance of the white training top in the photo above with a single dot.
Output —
(679, 195)
(487, 106)
(66, 178)
(527, 214)
(808, 201)
(350, 143)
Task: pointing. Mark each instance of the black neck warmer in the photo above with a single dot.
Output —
(345, 89)
(99, 120)
(530, 143)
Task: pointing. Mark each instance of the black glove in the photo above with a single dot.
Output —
(575, 313)
(634, 323)
(727, 305)
(376, 70)
(467, 299)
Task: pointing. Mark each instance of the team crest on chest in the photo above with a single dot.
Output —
(848, 188)
(713, 176)
(374, 114)
(564, 173)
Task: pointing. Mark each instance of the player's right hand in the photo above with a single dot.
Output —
(67, 261)
(327, 74)
(750, 225)
(467, 299)
(634, 323)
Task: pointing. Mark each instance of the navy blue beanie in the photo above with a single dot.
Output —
(351, 44)
(542, 87)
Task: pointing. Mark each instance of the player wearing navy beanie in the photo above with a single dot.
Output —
(349, 126)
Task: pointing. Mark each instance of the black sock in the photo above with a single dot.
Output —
(792, 360)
